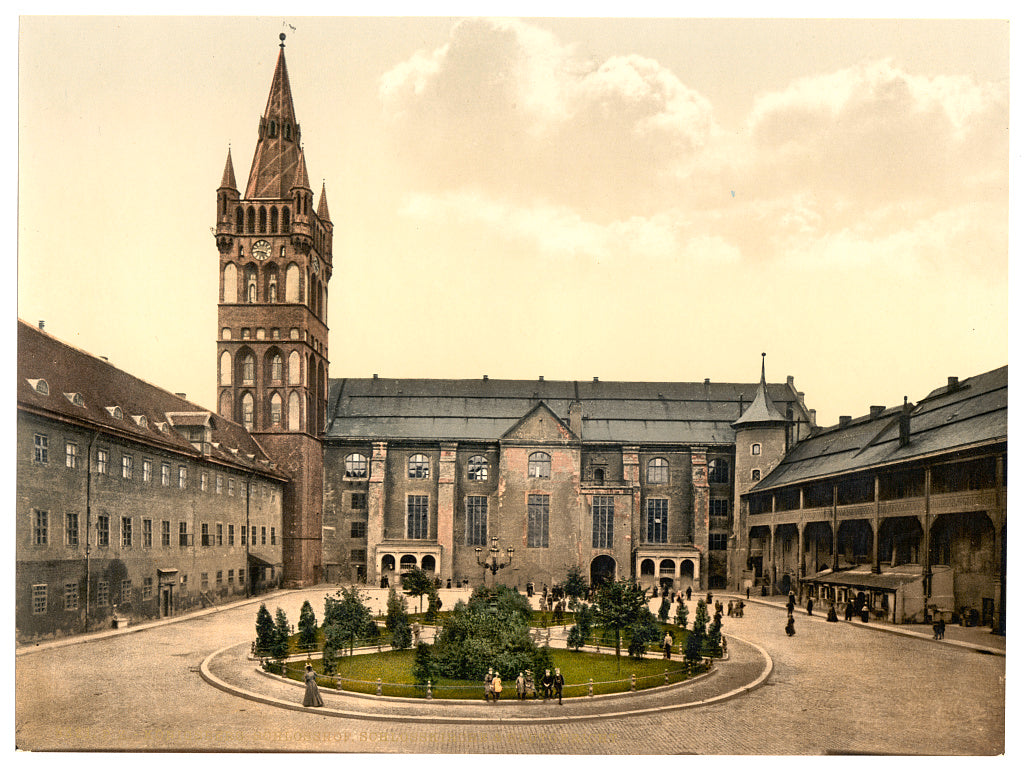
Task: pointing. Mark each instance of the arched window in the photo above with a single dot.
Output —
(225, 333)
(419, 466)
(250, 286)
(755, 449)
(355, 466)
(275, 410)
(263, 220)
(294, 368)
(478, 468)
(276, 367)
(599, 475)
(539, 465)
(657, 471)
(294, 412)
(292, 293)
(225, 367)
(250, 220)
(225, 404)
(273, 220)
(239, 220)
(248, 368)
(230, 283)
(286, 220)
(287, 128)
(247, 411)
(272, 129)
(718, 472)
(272, 291)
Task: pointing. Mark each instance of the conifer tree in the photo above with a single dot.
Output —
(666, 604)
(682, 615)
(701, 619)
(279, 649)
(307, 627)
(264, 630)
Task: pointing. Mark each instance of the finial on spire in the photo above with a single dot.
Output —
(282, 36)
(762, 365)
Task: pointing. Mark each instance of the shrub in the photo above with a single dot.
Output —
(397, 622)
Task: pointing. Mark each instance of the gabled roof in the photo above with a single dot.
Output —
(973, 413)
(70, 372)
(275, 162)
(533, 428)
(484, 409)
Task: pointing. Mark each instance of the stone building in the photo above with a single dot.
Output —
(132, 502)
(902, 511)
(623, 479)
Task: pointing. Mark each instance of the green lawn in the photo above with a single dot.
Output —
(395, 668)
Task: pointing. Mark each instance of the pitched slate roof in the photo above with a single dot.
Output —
(973, 413)
(102, 386)
(484, 409)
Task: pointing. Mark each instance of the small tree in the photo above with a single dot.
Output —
(694, 642)
(682, 614)
(345, 619)
(423, 668)
(643, 631)
(307, 627)
(585, 620)
(418, 582)
(397, 622)
(433, 606)
(619, 605)
(264, 630)
(574, 586)
(701, 619)
(713, 641)
(279, 648)
(663, 609)
(575, 640)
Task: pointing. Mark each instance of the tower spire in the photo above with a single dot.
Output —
(277, 150)
(321, 210)
(228, 178)
(761, 411)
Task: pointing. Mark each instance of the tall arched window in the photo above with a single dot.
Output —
(718, 472)
(419, 466)
(294, 368)
(248, 368)
(272, 291)
(539, 465)
(225, 367)
(225, 404)
(250, 220)
(291, 284)
(276, 368)
(294, 412)
(247, 411)
(250, 286)
(275, 410)
(657, 471)
(263, 220)
(273, 220)
(239, 220)
(230, 283)
(286, 221)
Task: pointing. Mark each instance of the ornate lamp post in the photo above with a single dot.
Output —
(490, 562)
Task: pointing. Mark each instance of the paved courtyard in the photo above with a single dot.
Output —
(834, 688)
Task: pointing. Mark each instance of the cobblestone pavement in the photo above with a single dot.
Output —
(834, 688)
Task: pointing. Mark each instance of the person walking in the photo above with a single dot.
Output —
(789, 607)
(832, 617)
(666, 644)
(748, 592)
(521, 687)
(312, 697)
(547, 682)
(496, 686)
(729, 609)
(942, 628)
(559, 683)
(688, 592)
(790, 626)
(489, 684)
(810, 606)
(848, 611)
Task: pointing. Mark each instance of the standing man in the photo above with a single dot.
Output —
(496, 687)
(547, 682)
(810, 606)
(489, 684)
(521, 687)
(667, 644)
(559, 683)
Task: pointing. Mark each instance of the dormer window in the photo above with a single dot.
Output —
(40, 386)
(115, 412)
(141, 420)
(273, 128)
(75, 398)
(161, 426)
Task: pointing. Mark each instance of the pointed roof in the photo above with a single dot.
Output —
(321, 210)
(761, 410)
(301, 176)
(228, 179)
(276, 160)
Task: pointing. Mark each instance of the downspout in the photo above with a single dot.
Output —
(88, 524)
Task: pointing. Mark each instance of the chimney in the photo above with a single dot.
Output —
(952, 384)
(596, 379)
(42, 324)
(876, 410)
(844, 420)
(485, 377)
(789, 381)
(181, 395)
(375, 376)
(905, 423)
(540, 378)
(576, 418)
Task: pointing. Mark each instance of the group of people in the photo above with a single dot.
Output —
(735, 610)
(551, 685)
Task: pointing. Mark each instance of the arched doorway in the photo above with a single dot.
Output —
(428, 564)
(602, 570)
(686, 573)
(647, 567)
(387, 564)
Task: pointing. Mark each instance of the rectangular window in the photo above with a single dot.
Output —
(219, 485)
(70, 596)
(41, 453)
(231, 487)
(103, 530)
(245, 534)
(220, 535)
(204, 535)
(263, 536)
(657, 520)
(147, 471)
(718, 541)
(127, 466)
(719, 506)
(416, 517)
(40, 527)
(147, 588)
(358, 529)
(252, 532)
(359, 501)
(182, 477)
(537, 509)
(476, 521)
(165, 474)
(147, 533)
(102, 461)
(204, 580)
(203, 480)
(71, 529)
(102, 593)
(603, 511)
(220, 577)
(38, 598)
(273, 536)
(231, 577)
(126, 592)
(231, 534)
(165, 534)
(183, 534)
(126, 532)
(357, 555)
(71, 455)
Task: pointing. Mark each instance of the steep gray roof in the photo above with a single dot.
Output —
(971, 414)
(484, 409)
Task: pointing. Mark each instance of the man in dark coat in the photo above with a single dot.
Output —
(559, 683)
(790, 627)
(810, 606)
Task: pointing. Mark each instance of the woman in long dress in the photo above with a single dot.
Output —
(312, 697)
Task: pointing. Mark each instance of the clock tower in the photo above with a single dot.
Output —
(275, 264)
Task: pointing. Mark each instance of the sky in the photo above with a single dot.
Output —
(632, 199)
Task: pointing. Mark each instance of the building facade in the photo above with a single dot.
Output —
(132, 502)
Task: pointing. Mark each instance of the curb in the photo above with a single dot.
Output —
(216, 682)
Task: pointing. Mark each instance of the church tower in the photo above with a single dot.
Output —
(275, 264)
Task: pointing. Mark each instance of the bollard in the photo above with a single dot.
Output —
(430, 690)
(666, 677)
(380, 689)
(590, 689)
(632, 682)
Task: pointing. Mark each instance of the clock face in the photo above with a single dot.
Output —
(261, 250)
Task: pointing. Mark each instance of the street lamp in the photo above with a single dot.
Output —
(490, 562)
